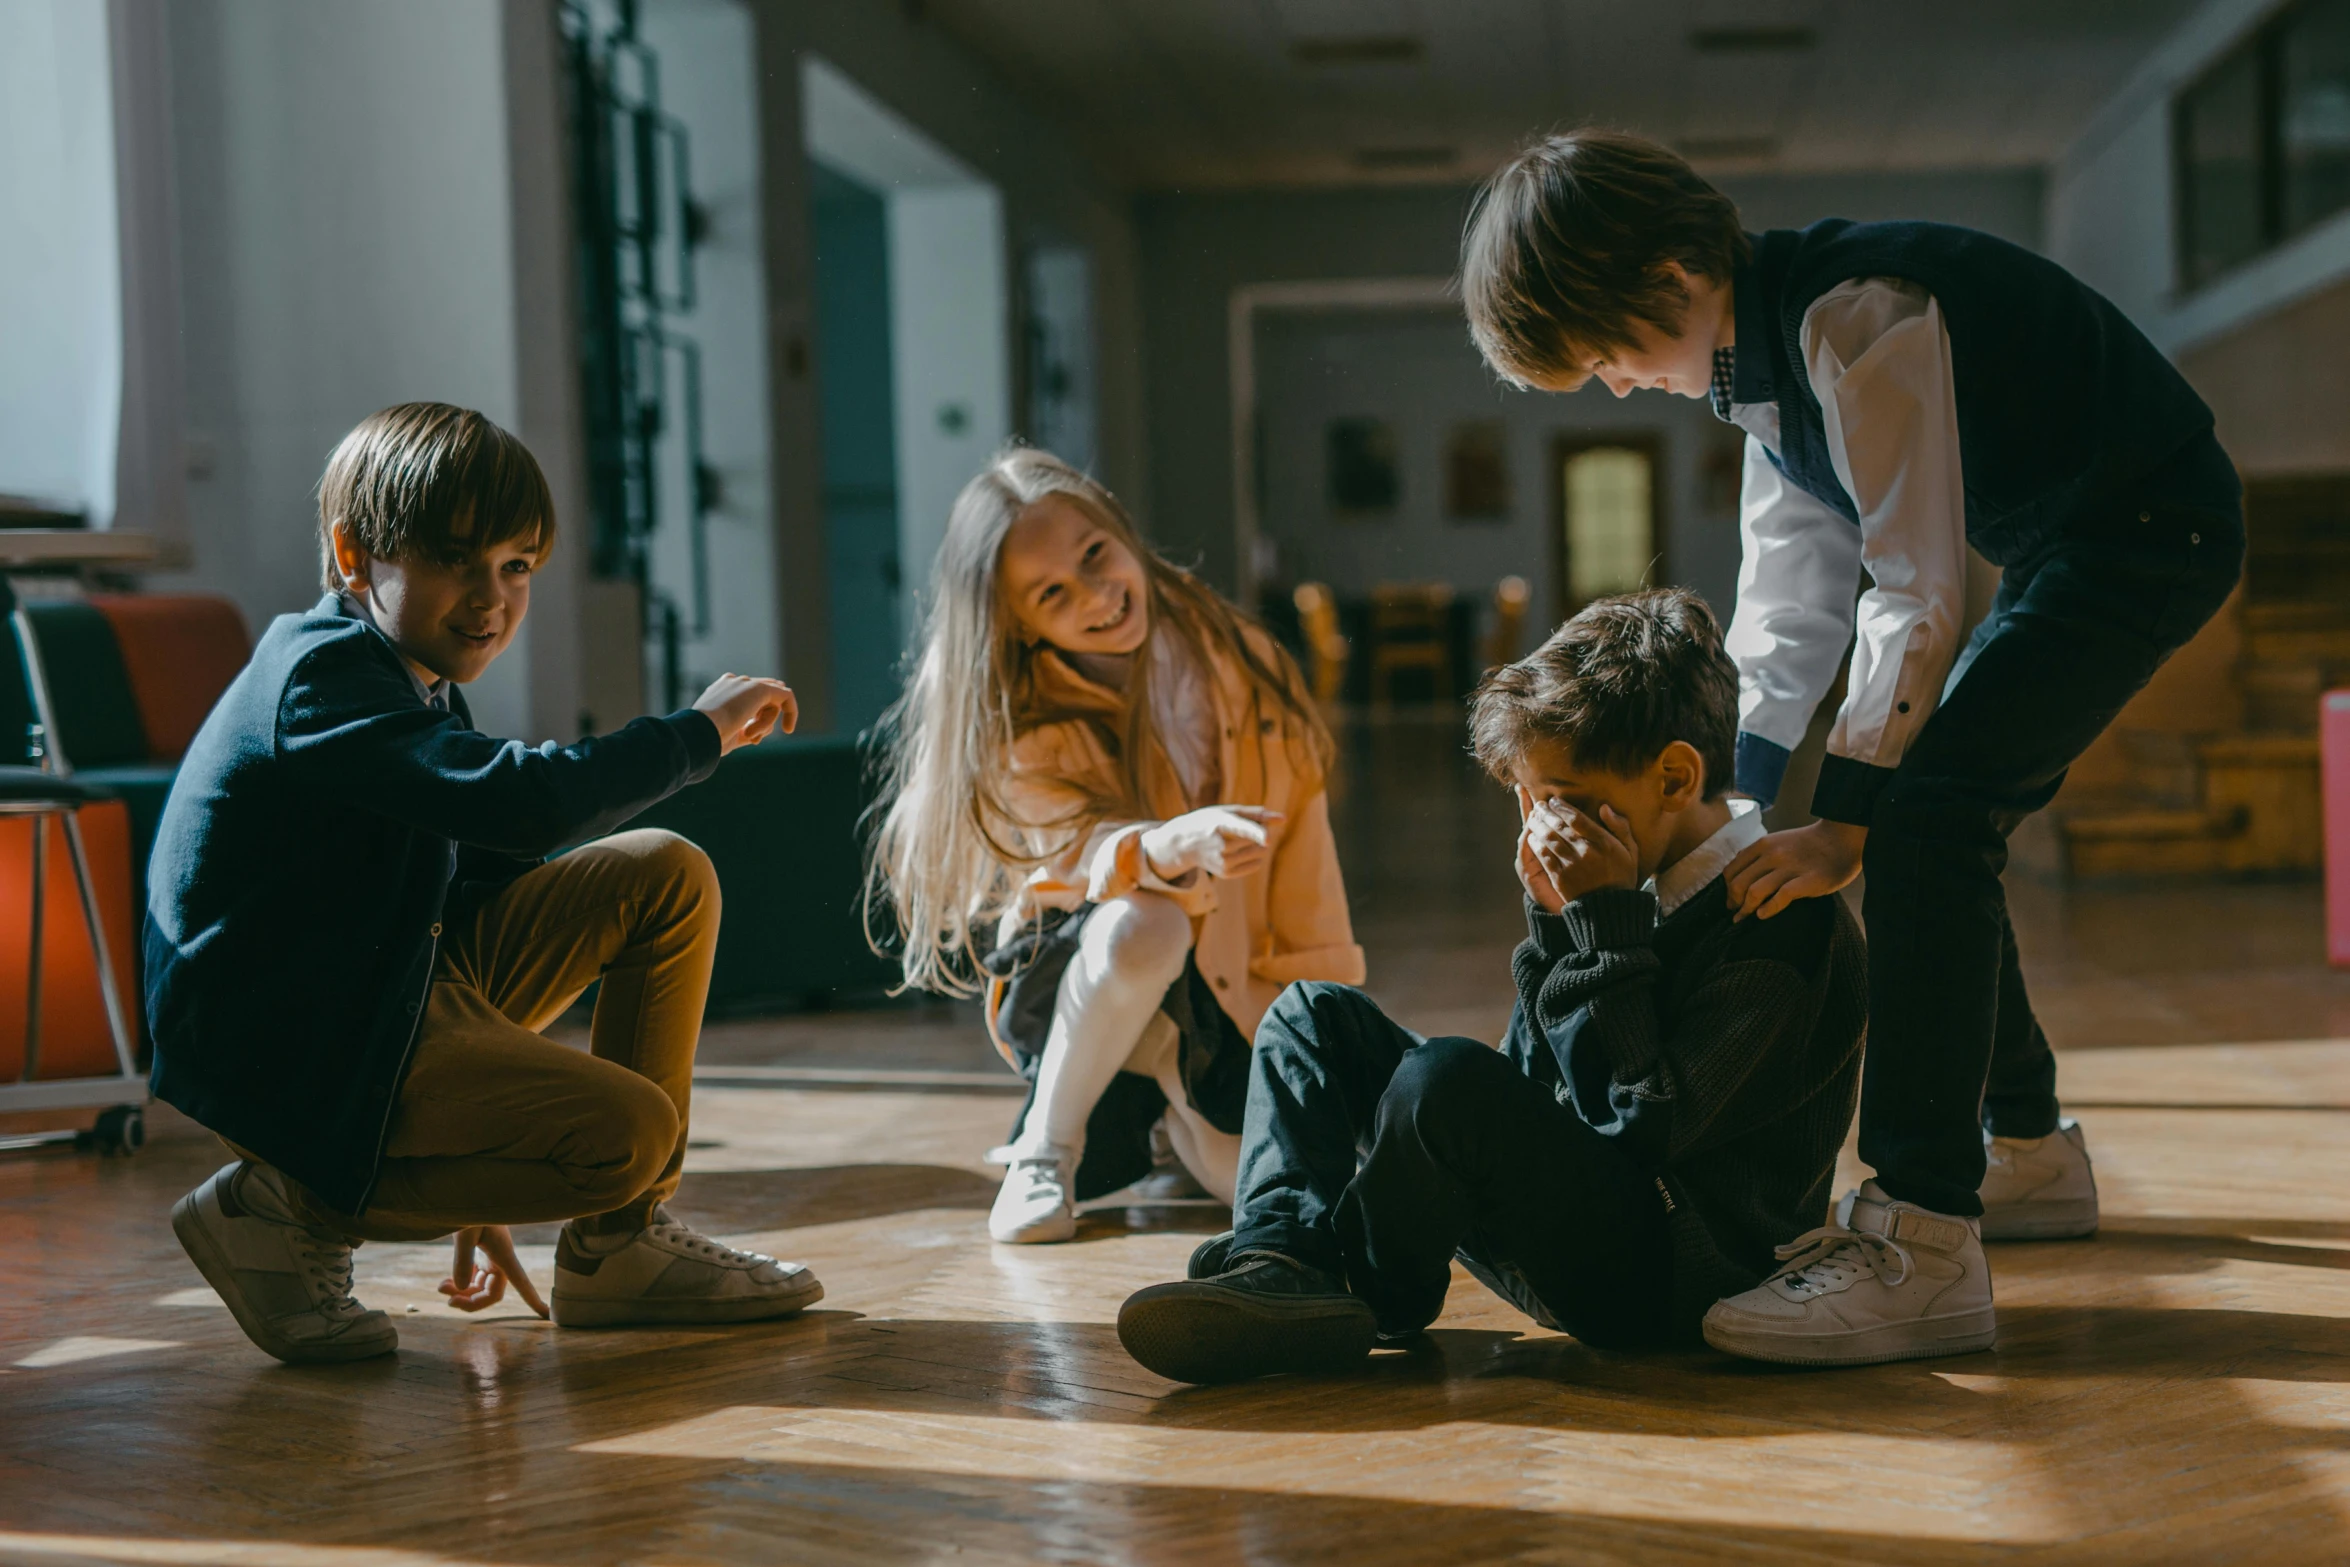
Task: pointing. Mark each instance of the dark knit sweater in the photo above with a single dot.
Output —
(1724, 1055)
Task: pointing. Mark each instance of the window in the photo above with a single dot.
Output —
(1607, 518)
(2262, 141)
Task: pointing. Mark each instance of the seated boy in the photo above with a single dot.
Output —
(1665, 1109)
(353, 937)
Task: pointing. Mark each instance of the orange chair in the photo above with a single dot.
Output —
(1510, 597)
(1317, 617)
(1411, 628)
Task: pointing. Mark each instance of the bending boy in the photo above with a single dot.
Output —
(1906, 390)
(353, 938)
(1665, 1109)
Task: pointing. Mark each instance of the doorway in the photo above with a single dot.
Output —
(1605, 537)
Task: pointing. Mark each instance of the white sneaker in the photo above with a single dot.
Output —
(2039, 1188)
(1034, 1205)
(669, 1274)
(1888, 1281)
(288, 1286)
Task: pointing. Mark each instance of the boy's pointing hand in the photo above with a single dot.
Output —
(747, 709)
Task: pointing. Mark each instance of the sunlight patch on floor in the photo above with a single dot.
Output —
(72, 1351)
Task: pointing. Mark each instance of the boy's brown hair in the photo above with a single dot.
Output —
(1566, 247)
(429, 481)
(1615, 685)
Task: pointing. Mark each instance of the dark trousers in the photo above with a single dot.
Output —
(2074, 634)
(1373, 1153)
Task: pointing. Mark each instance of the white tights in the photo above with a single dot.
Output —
(1106, 1019)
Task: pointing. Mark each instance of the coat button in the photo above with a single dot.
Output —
(436, 929)
(2194, 538)
(2145, 516)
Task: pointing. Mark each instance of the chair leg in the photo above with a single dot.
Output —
(32, 989)
(117, 1021)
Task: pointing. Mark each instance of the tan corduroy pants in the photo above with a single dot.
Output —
(497, 1125)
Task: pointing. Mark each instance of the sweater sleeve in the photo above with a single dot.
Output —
(1587, 979)
(351, 723)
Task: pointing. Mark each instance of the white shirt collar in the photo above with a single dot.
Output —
(1687, 876)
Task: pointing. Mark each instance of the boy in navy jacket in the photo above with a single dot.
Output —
(353, 935)
(1907, 390)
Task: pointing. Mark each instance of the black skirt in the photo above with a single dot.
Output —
(1213, 1052)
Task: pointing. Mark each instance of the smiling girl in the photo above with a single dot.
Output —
(1104, 812)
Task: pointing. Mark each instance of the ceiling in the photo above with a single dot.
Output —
(1222, 93)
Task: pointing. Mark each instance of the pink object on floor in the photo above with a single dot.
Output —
(2334, 753)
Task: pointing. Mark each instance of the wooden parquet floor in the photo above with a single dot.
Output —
(2177, 1389)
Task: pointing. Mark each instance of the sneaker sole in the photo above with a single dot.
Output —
(1958, 1333)
(572, 1312)
(198, 1244)
(1205, 1333)
(1060, 1229)
(2070, 1220)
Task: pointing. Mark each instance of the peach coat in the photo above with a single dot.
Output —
(1253, 935)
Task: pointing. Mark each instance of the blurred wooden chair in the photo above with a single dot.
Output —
(1411, 628)
(1326, 648)
(1510, 597)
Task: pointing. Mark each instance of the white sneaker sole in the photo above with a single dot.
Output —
(2066, 1220)
(1060, 1227)
(360, 1343)
(1954, 1333)
(572, 1311)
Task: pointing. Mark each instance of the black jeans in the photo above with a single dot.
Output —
(2075, 633)
(1457, 1151)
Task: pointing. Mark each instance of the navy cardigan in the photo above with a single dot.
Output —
(324, 827)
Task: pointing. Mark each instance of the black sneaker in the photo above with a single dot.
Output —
(1262, 1316)
(1210, 1257)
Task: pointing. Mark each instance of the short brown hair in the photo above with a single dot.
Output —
(1617, 684)
(1566, 248)
(420, 480)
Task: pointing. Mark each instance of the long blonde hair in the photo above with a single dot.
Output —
(948, 855)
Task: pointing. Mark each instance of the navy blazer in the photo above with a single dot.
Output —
(325, 825)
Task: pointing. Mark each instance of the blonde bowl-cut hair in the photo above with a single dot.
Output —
(947, 854)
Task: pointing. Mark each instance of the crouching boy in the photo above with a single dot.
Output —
(353, 937)
(1663, 1116)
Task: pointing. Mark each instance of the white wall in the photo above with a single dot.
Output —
(1417, 371)
(951, 364)
(2110, 203)
(346, 244)
(60, 280)
(706, 81)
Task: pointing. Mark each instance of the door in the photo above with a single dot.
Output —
(858, 410)
(1606, 538)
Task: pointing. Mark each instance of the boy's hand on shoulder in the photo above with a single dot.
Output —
(471, 1288)
(747, 709)
(1576, 851)
(1802, 862)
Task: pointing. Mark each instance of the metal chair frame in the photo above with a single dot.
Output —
(125, 1093)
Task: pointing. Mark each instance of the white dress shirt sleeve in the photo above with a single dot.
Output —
(1879, 359)
(1798, 571)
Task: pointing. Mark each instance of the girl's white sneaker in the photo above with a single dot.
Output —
(1035, 1204)
(2039, 1188)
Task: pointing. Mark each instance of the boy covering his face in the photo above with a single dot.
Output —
(1665, 1109)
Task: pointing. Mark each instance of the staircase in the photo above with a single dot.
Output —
(2243, 803)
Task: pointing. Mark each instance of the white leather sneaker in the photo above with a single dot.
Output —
(288, 1286)
(2039, 1188)
(1888, 1281)
(1034, 1204)
(669, 1274)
